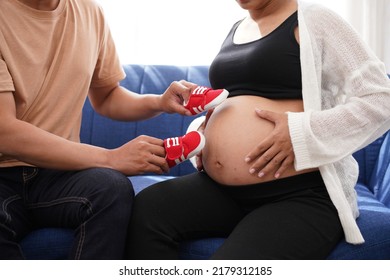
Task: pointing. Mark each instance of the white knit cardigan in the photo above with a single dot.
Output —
(346, 95)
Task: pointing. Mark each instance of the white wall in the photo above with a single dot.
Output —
(185, 32)
(179, 32)
(371, 18)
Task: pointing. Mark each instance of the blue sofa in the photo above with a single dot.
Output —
(373, 187)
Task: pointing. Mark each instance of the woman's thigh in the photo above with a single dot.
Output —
(169, 212)
(190, 205)
(303, 225)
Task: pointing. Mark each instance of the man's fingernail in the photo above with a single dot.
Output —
(261, 174)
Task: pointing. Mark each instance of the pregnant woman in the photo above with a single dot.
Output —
(277, 174)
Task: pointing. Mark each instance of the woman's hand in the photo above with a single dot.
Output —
(275, 153)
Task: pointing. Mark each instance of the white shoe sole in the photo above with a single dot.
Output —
(224, 94)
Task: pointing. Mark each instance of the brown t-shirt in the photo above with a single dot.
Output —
(50, 59)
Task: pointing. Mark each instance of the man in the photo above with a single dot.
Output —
(53, 53)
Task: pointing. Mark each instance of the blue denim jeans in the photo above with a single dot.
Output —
(96, 203)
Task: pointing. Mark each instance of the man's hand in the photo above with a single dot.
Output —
(173, 98)
(141, 155)
(275, 153)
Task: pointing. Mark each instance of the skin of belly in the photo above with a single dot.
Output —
(233, 130)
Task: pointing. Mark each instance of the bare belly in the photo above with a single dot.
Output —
(233, 130)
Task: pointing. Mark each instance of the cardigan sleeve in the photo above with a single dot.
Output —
(354, 91)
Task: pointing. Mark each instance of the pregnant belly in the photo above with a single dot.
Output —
(233, 130)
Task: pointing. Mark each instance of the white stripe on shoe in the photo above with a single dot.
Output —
(198, 109)
(199, 90)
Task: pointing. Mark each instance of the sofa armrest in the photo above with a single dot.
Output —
(380, 178)
(374, 223)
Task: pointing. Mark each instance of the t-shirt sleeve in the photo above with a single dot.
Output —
(6, 82)
(108, 68)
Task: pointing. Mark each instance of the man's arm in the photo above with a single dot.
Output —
(118, 103)
(30, 144)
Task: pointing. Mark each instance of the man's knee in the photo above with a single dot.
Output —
(107, 177)
(109, 187)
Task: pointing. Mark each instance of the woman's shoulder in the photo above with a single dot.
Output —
(321, 18)
(313, 7)
(318, 13)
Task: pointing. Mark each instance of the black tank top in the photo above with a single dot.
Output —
(269, 67)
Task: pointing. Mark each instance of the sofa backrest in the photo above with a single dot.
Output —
(101, 131)
(104, 132)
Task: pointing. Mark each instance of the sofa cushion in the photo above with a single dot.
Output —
(374, 223)
(140, 182)
(199, 249)
(48, 244)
